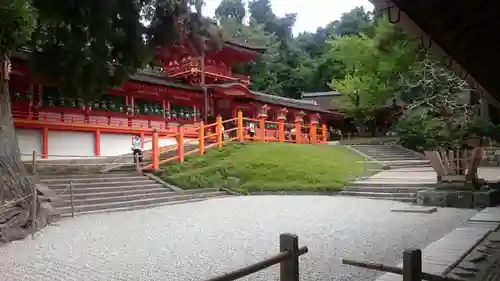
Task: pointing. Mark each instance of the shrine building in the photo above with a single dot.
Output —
(58, 127)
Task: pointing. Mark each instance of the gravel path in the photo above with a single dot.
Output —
(200, 240)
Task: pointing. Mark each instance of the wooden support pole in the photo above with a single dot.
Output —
(289, 268)
(298, 131)
(180, 143)
(97, 143)
(33, 163)
(262, 127)
(45, 143)
(313, 133)
(324, 134)
(241, 129)
(281, 130)
(155, 161)
(141, 135)
(201, 138)
(412, 265)
(219, 131)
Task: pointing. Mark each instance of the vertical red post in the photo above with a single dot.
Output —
(313, 134)
(262, 122)
(299, 120)
(155, 161)
(201, 138)
(97, 143)
(219, 130)
(281, 124)
(180, 143)
(142, 139)
(324, 133)
(45, 143)
(241, 129)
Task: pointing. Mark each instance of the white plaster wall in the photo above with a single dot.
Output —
(28, 141)
(116, 144)
(70, 144)
(164, 142)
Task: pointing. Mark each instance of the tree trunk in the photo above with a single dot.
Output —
(14, 181)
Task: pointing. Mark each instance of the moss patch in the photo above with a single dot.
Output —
(257, 166)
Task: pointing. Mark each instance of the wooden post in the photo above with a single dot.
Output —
(33, 211)
(219, 131)
(201, 138)
(289, 269)
(412, 265)
(281, 130)
(312, 132)
(241, 129)
(180, 143)
(33, 163)
(142, 139)
(45, 143)
(71, 198)
(324, 133)
(155, 161)
(298, 131)
(97, 143)
(262, 127)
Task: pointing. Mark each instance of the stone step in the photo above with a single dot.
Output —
(139, 202)
(383, 189)
(105, 175)
(82, 179)
(394, 158)
(88, 195)
(378, 194)
(125, 198)
(140, 207)
(99, 183)
(400, 199)
(394, 183)
(132, 192)
(98, 189)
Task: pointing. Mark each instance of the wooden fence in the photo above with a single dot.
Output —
(287, 258)
(411, 270)
(236, 129)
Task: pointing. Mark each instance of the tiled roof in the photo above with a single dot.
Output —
(320, 94)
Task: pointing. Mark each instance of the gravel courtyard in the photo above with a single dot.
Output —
(200, 240)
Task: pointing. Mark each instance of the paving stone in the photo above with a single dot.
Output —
(415, 209)
(491, 214)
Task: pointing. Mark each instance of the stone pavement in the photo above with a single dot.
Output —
(428, 175)
(466, 252)
(201, 240)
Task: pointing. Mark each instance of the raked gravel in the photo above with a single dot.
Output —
(199, 240)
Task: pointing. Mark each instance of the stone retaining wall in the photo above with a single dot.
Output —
(491, 157)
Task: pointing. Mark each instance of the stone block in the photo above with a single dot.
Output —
(458, 198)
(497, 152)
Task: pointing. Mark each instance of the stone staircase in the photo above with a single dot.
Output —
(128, 164)
(116, 191)
(392, 156)
(407, 173)
(398, 184)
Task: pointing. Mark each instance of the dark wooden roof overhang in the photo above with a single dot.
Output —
(460, 33)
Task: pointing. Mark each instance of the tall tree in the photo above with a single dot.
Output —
(231, 10)
(85, 47)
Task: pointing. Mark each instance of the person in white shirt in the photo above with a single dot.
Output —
(251, 130)
(137, 148)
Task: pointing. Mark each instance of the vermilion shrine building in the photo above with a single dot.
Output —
(59, 127)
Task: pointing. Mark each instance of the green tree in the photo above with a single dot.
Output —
(231, 10)
(374, 66)
(85, 47)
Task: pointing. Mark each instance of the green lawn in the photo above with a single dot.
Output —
(267, 166)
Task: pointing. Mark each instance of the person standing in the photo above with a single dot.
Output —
(137, 148)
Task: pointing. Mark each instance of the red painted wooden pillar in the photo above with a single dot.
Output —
(142, 140)
(97, 143)
(45, 143)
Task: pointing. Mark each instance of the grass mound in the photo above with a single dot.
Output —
(246, 167)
